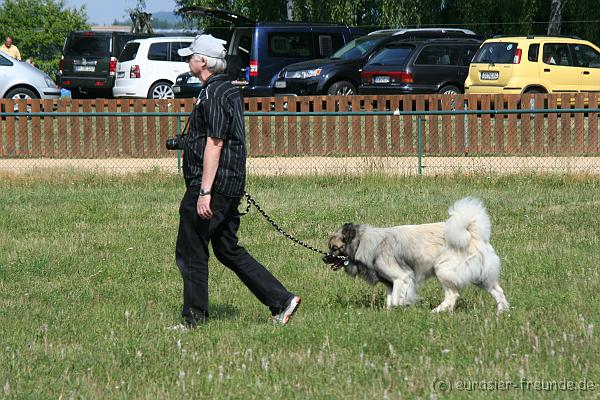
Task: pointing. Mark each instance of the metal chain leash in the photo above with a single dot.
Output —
(251, 202)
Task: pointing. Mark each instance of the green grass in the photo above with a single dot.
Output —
(89, 289)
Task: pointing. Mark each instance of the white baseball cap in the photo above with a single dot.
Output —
(207, 45)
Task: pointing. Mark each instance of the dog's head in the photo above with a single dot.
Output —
(340, 246)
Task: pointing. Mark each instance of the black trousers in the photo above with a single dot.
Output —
(221, 230)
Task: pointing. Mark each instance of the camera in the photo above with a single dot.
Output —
(175, 143)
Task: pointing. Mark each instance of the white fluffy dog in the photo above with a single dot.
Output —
(457, 252)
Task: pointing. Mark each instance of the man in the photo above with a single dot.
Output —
(214, 168)
(9, 48)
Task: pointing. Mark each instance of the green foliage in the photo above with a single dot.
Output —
(89, 293)
(487, 17)
(39, 28)
(400, 14)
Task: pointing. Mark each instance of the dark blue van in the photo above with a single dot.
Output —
(257, 51)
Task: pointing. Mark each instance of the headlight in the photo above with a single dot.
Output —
(304, 74)
(193, 79)
(49, 82)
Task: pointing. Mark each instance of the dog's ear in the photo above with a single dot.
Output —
(348, 232)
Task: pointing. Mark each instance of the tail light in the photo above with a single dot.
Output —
(112, 66)
(253, 68)
(135, 72)
(369, 77)
(517, 57)
(61, 65)
(403, 76)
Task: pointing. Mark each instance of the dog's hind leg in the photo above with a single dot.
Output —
(498, 294)
(451, 295)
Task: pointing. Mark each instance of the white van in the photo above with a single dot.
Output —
(147, 68)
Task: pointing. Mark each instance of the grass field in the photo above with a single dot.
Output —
(89, 293)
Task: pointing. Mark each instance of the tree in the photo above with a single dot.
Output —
(140, 19)
(39, 28)
(556, 12)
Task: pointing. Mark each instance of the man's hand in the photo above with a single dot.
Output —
(203, 207)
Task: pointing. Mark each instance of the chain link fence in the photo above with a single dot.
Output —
(402, 135)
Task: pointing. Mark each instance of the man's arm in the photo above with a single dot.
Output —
(212, 154)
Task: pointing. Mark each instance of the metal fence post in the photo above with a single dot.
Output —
(178, 150)
(420, 143)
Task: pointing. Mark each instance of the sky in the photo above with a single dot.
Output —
(104, 12)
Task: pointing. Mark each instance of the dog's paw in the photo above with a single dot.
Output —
(442, 308)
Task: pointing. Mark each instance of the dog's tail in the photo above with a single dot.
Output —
(468, 221)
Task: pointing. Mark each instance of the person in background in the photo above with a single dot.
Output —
(9, 48)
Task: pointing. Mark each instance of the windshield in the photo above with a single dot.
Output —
(393, 55)
(496, 53)
(358, 47)
(88, 46)
(129, 52)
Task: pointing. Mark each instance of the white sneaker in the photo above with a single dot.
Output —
(284, 317)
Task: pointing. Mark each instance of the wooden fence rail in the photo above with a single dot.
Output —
(126, 136)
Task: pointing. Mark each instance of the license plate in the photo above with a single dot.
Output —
(121, 74)
(489, 75)
(84, 68)
(280, 84)
(381, 79)
(176, 89)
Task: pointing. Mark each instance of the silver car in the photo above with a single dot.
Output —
(19, 80)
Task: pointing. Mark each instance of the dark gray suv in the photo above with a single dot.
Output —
(419, 66)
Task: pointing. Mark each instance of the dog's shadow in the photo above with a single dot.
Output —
(370, 300)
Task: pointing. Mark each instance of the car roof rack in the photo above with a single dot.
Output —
(405, 31)
(539, 36)
(419, 40)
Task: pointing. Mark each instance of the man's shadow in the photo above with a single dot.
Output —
(223, 312)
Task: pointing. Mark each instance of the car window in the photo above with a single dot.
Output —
(467, 54)
(87, 46)
(496, 53)
(437, 55)
(5, 62)
(290, 44)
(159, 51)
(586, 56)
(176, 46)
(557, 54)
(241, 42)
(392, 55)
(329, 42)
(533, 52)
(129, 52)
(357, 48)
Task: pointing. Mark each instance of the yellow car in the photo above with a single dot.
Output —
(534, 64)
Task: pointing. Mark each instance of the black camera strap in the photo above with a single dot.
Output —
(185, 127)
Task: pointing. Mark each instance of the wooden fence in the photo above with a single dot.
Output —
(495, 133)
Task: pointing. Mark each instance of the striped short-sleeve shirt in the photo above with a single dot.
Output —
(218, 113)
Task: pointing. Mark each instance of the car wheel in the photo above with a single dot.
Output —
(21, 94)
(161, 90)
(342, 88)
(450, 89)
(533, 91)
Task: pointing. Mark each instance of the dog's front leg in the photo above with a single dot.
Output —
(403, 292)
(388, 298)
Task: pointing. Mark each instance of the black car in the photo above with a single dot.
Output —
(419, 66)
(340, 74)
(89, 61)
(258, 50)
(186, 86)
